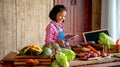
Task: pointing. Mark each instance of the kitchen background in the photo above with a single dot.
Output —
(23, 22)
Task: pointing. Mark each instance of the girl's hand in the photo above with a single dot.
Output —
(60, 42)
(67, 43)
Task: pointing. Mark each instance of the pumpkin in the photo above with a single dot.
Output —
(46, 51)
(118, 42)
(21, 52)
(32, 50)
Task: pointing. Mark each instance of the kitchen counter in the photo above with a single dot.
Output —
(112, 59)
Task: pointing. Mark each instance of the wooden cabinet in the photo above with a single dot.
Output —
(78, 16)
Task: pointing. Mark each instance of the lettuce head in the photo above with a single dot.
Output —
(69, 54)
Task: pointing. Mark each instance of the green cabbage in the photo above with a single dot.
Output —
(61, 59)
(69, 54)
(46, 51)
(55, 64)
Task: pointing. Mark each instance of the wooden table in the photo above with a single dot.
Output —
(102, 65)
(77, 63)
(96, 65)
(6, 65)
(11, 65)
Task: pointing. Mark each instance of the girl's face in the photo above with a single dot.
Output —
(61, 16)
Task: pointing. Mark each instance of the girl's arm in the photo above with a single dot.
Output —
(49, 34)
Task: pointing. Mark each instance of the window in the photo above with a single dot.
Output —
(110, 17)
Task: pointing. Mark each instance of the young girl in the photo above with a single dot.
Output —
(54, 30)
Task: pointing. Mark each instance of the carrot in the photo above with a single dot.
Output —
(93, 49)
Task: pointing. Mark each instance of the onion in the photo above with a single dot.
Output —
(103, 54)
(99, 53)
(87, 54)
(94, 55)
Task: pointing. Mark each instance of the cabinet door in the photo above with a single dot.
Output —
(68, 23)
(79, 18)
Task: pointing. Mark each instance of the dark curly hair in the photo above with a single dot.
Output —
(55, 10)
